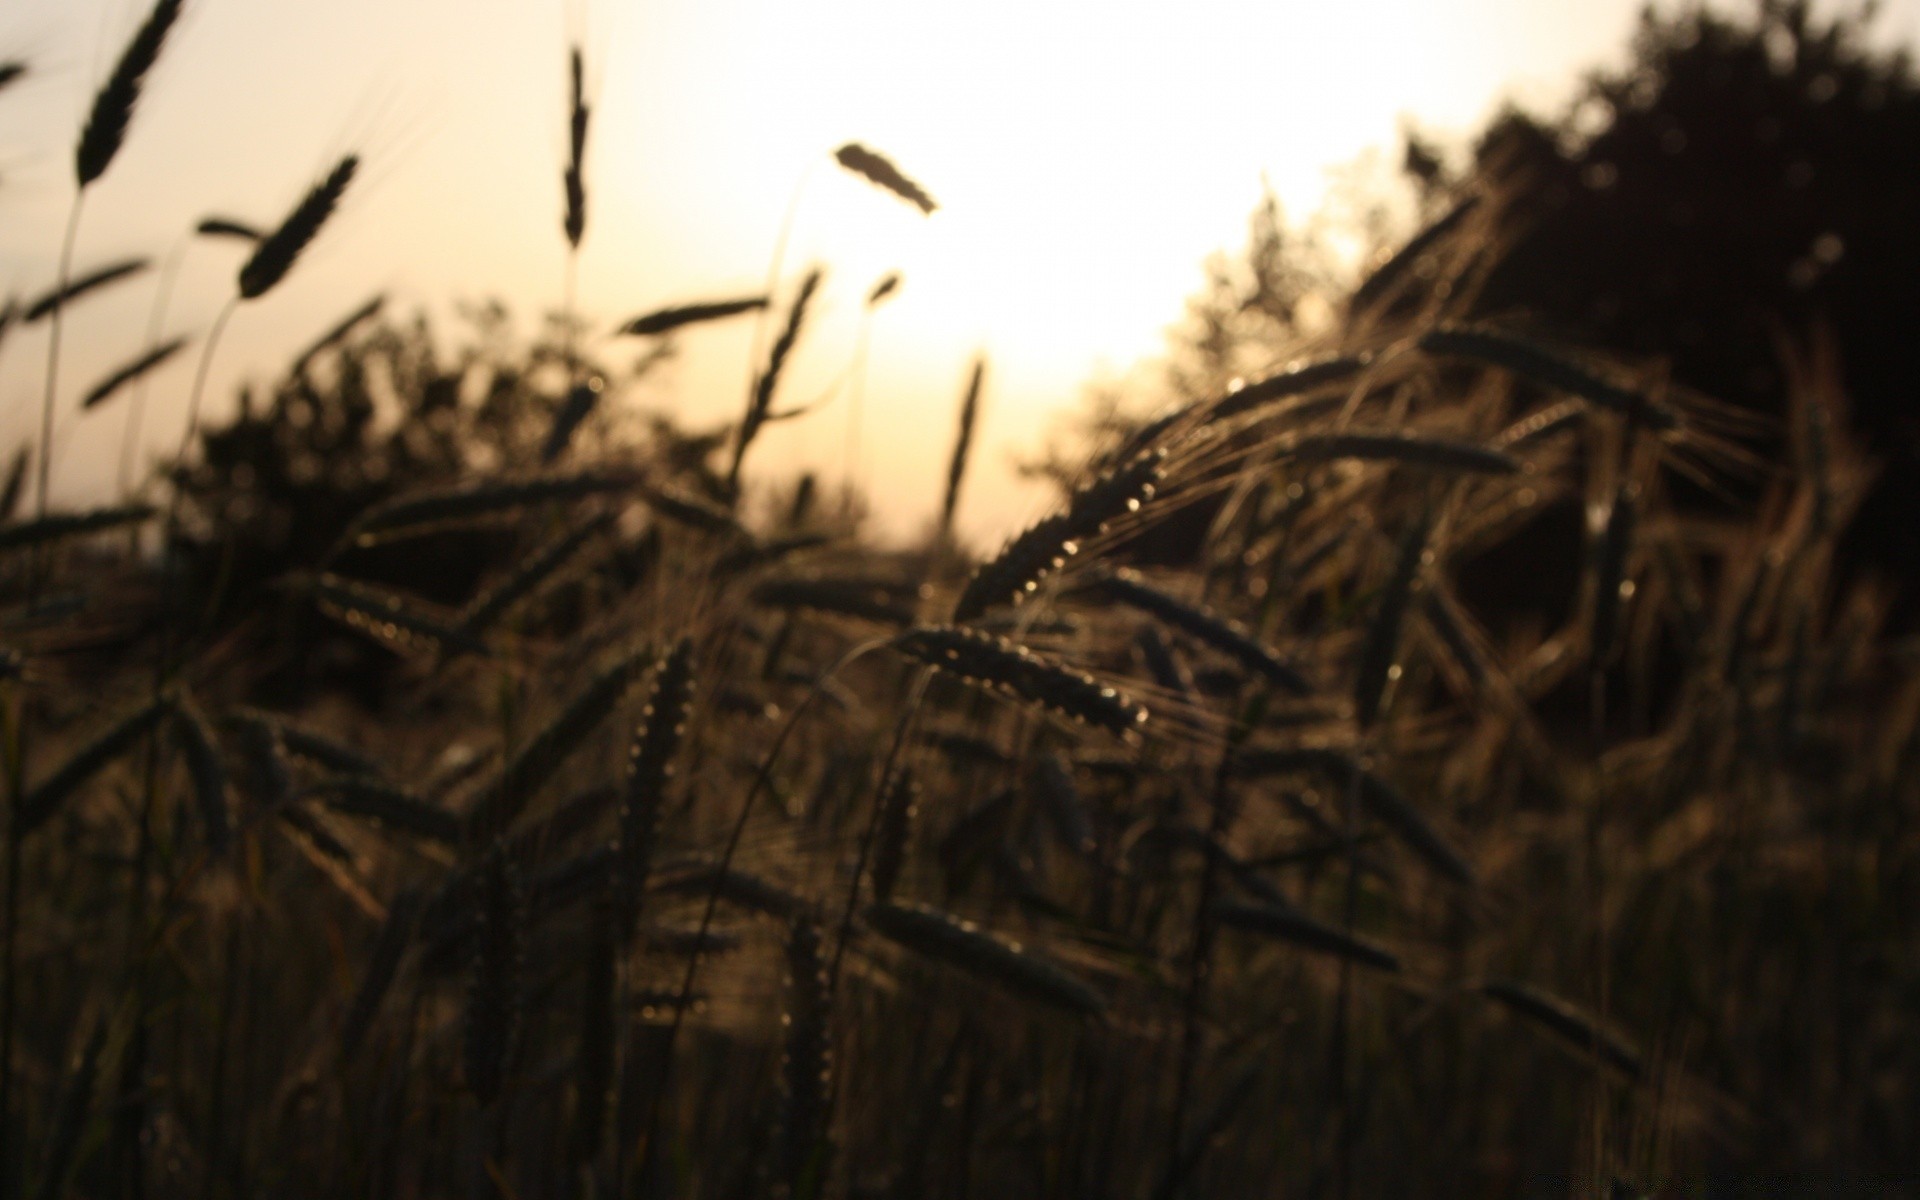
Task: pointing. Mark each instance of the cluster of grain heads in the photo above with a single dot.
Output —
(806, 1154)
(999, 665)
(1020, 567)
(878, 169)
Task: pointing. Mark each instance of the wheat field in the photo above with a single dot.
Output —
(559, 810)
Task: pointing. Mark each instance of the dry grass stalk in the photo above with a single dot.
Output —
(27, 534)
(152, 360)
(749, 891)
(862, 599)
(208, 771)
(886, 286)
(575, 223)
(113, 105)
(666, 320)
(999, 665)
(1380, 650)
(1612, 585)
(1540, 425)
(1546, 367)
(807, 1065)
(311, 744)
(494, 989)
(394, 807)
(1204, 625)
(439, 507)
(1387, 277)
(899, 802)
(529, 770)
(650, 769)
(1066, 808)
(760, 404)
(228, 227)
(879, 170)
(598, 1049)
(70, 1118)
(1568, 1023)
(1379, 445)
(396, 934)
(1024, 562)
(387, 616)
(277, 252)
(337, 334)
(962, 445)
(15, 484)
(685, 508)
(582, 398)
(478, 618)
(1380, 797)
(45, 798)
(999, 960)
(1290, 925)
(64, 294)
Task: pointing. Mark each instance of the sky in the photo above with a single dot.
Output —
(1087, 157)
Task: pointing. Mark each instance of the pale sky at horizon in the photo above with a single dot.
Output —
(1087, 158)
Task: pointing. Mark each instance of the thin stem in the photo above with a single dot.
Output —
(53, 360)
(137, 402)
(713, 897)
(908, 713)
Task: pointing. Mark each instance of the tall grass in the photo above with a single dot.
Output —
(1228, 832)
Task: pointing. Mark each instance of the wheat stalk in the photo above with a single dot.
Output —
(879, 170)
(1024, 562)
(999, 960)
